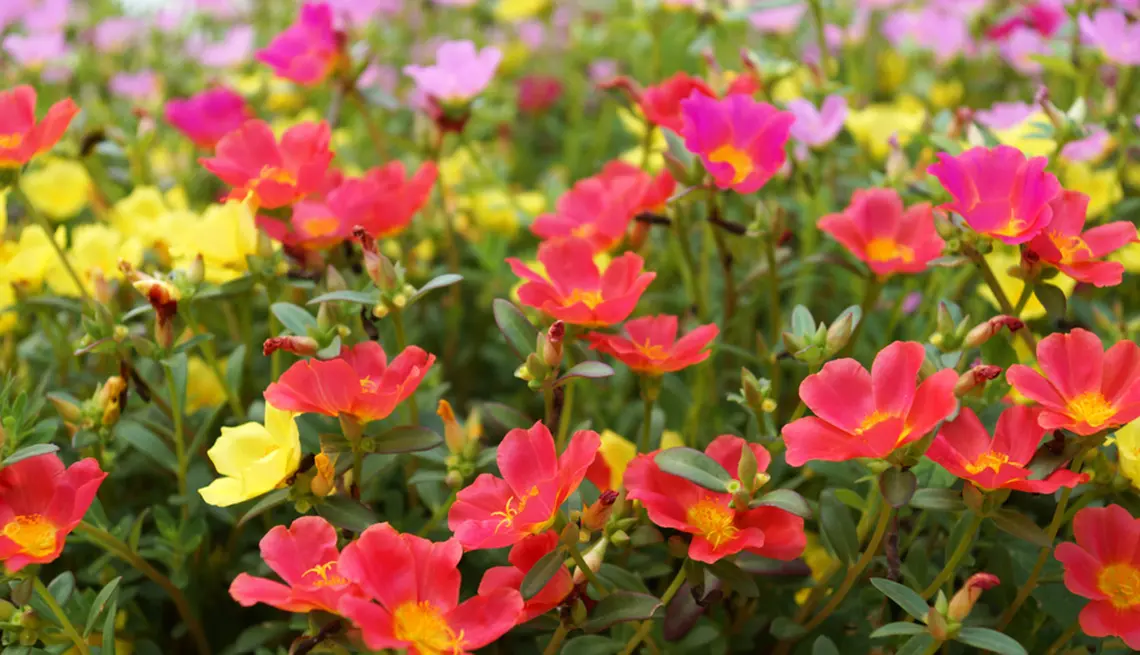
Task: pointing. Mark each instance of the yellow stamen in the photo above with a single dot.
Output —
(33, 533)
(740, 161)
(424, 627)
(11, 141)
(654, 352)
(1013, 228)
(1069, 246)
(275, 174)
(324, 577)
(989, 460)
(1121, 583)
(885, 249)
(713, 521)
(509, 513)
(1092, 408)
(368, 385)
(589, 298)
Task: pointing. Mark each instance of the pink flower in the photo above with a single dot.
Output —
(36, 50)
(116, 33)
(651, 347)
(1045, 18)
(384, 200)
(137, 87)
(877, 229)
(1117, 38)
(1089, 148)
(779, 20)
(1075, 252)
(523, 556)
(460, 72)
(1021, 48)
(1004, 115)
(208, 116)
(740, 141)
(308, 50)
(817, 127)
(231, 50)
(945, 34)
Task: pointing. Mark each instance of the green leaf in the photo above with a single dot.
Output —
(837, 528)
(440, 282)
(784, 628)
(101, 599)
(803, 325)
(267, 502)
(346, 513)
(938, 500)
(990, 640)
(61, 587)
(620, 607)
(592, 370)
(178, 368)
(508, 418)
(1055, 64)
(694, 466)
(108, 647)
(1052, 298)
(904, 597)
(330, 351)
(294, 318)
(785, 499)
(520, 334)
(824, 646)
(735, 578)
(916, 645)
(360, 297)
(235, 367)
(29, 451)
(146, 442)
(1021, 526)
(591, 645)
(898, 628)
(898, 486)
(405, 439)
(541, 573)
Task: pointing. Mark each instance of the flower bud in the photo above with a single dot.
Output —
(304, 346)
(983, 332)
(454, 479)
(963, 601)
(102, 288)
(746, 468)
(379, 267)
(452, 432)
(324, 482)
(593, 559)
(594, 517)
(552, 346)
(109, 398)
(975, 378)
(839, 333)
(570, 534)
(936, 625)
(68, 410)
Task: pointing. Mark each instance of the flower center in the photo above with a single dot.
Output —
(422, 625)
(275, 174)
(885, 249)
(1092, 408)
(585, 231)
(989, 460)
(33, 533)
(515, 506)
(714, 522)
(1069, 246)
(368, 385)
(11, 141)
(652, 351)
(326, 575)
(1121, 583)
(739, 160)
(590, 299)
(319, 227)
(1013, 228)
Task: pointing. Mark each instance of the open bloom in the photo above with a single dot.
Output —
(460, 72)
(415, 585)
(41, 502)
(614, 455)
(208, 116)
(275, 174)
(651, 347)
(306, 558)
(998, 191)
(574, 291)
(495, 512)
(817, 127)
(313, 226)
(361, 383)
(254, 459)
(523, 556)
(384, 200)
(1110, 31)
(1104, 566)
(21, 137)
(1084, 389)
(661, 103)
(877, 229)
(308, 50)
(1075, 252)
(740, 141)
(861, 414)
(718, 529)
(964, 448)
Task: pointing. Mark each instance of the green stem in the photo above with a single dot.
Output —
(1064, 639)
(821, 38)
(933, 647)
(117, 548)
(1023, 299)
(357, 466)
(59, 252)
(548, 406)
(591, 577)
(870, 297)
(648, 400)
(1003, 301)
(437, 515)
(179, 442)
(401, 344)
(68, 627)
(647, 625)
(955, 558)
(564, 415)
(1042, 557)
(555, 645)
(775, 315)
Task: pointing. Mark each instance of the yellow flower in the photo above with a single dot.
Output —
(34, 257)
(1002, 261)
(95, 249)
(1128, 452)
(1101, 186)
(60, 188)
(225, 235)
(4, 212)
(514, 11)
(617, 452)
(151, 216)
(1022, 136)
(1129, 256)
(792, 86)
(203, 389)
(493, 211)
(635, 125)
(946, 94)
(253, 458)
(818, 560)
(893, 70)
(8, 319)
(873, 126)
(671, 439)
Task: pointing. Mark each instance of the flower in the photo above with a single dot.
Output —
(384, 200)
(817, 127)
(964, 448)
(875, 126)
(537, 93)
(651, 347)
(252, 161)
(61, 188)
(21, 137)
(999, 191)
(861, 414)
(1111, 32)
(1104, 566)
(308, 50)
(963, 601)
(889, 238)
(225, 236)
(34, 257)
(1101, 185)
(203, 388)
(1084, 389)
(254, 458)
(360, 383)
(312, 226)
(305, 556)
(717, 527)
(415, 585)
(740, 141)
(152, 216)
(1128, 452)
(523, 556)
(460, 72)
(95, 251)
(1074, 252)
(41, 502)
(661, 103)
(495, 512)
(208, 116)
(614, 455)
(574, 291)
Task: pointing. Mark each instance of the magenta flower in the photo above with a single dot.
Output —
(817, 127)
(740, 141)
(460, 72)
(208, 116)
(308, 50)
(1110, 31)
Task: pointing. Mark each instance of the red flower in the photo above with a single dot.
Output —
(1104, 566)
(496, 512)
(661, 103)
(415, 585)
(879, 231)
(306, 558)
(1085, 389)
(41, 502)
(599, 208)
(537, 93)
(652, 347)
(384, 200)
(313, 226)
(308, 50)
(964, 448)
(21, 137)
(361, 383)
(250, 160)
(523, 556)
(718, 529)
(998, 191)
(574, 291)
(1065, 246)
(861, 414)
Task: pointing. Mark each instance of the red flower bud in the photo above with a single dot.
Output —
(976, 377)
(983, 332)
(963, 601)
(306, 346)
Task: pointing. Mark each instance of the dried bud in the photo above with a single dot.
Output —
(304, 346)
(552, 348)
(324, 482)
(595, 516)
(593, 559)
(963, 601)
(975, 378)
(453, 433)
(109, 398)
(983, 332)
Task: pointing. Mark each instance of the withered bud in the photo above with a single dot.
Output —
(323, 483)
(624, 84)
(68, 410)
(103, 291)
(552, 348)
(109, 398)
(595, 516)
(975, 377)
(304, 346)
(453, 433)
(963, 601)
(983, 332)
(334, 281)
